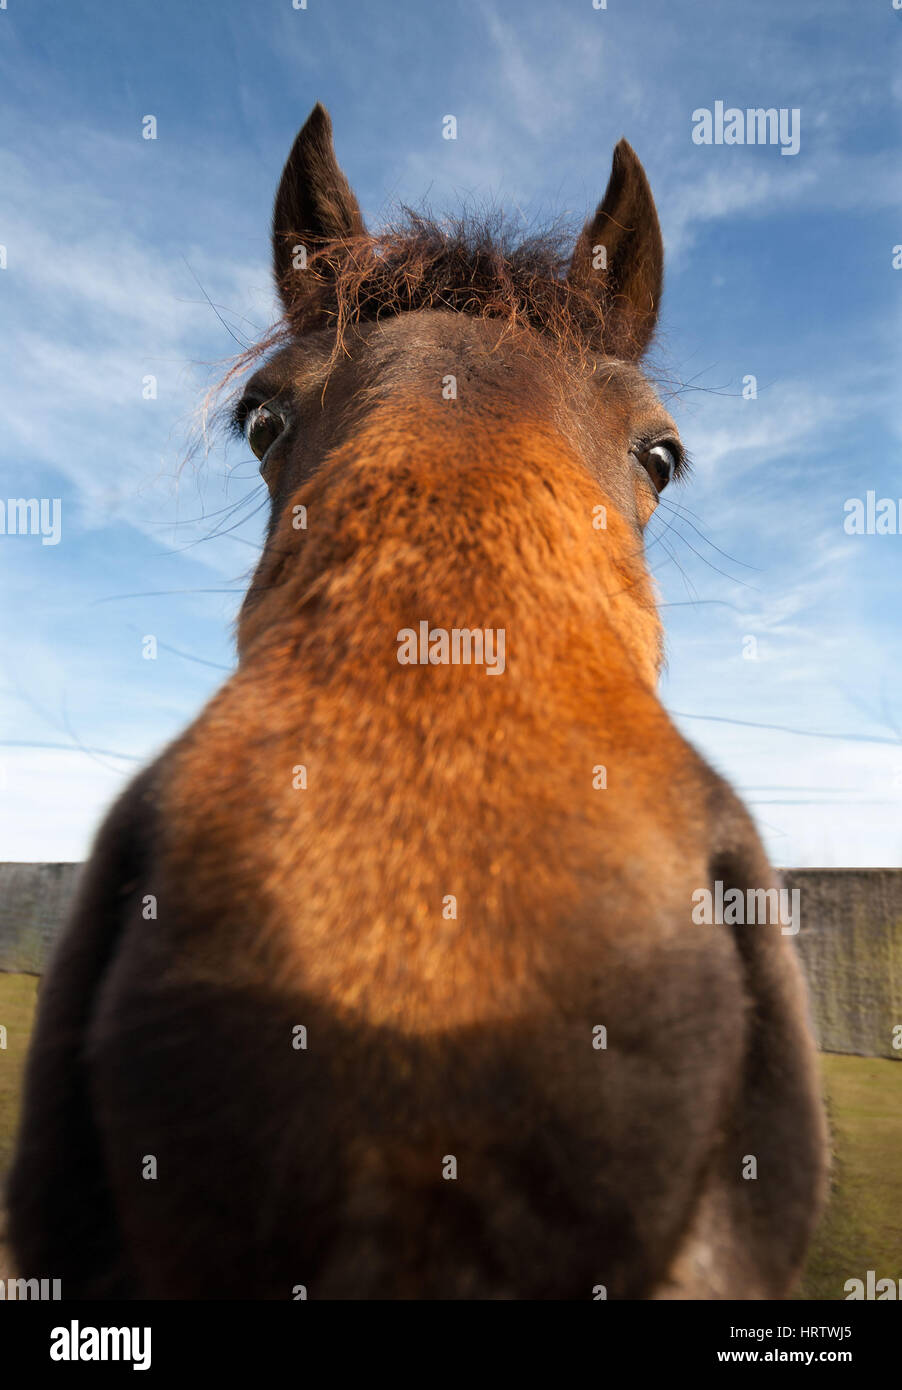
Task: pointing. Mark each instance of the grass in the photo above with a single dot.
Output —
(861, 1229)
(17, 1001)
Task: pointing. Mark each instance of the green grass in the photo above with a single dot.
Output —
(861, 1229)
(862, 1226)
(17, 1001)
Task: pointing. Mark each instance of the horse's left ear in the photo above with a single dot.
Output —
(620, 257)
(314, 203)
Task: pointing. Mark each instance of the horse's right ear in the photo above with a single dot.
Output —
(314, 203)
(619, 258)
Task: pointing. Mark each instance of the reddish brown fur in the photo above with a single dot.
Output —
(428, 1036)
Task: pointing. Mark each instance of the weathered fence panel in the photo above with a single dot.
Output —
(34, 900)
(851, 947)
(850, 942)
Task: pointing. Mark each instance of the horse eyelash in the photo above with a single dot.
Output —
(683, 465)
(237, 417)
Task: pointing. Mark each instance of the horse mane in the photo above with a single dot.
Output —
(475, 264)
(470, 265)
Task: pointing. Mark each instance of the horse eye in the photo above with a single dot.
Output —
(262, 428)
(659, 462)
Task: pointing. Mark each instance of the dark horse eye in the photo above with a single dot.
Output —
(659, 462)
(262, 428)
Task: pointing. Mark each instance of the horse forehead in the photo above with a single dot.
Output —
(435, 331)
(627, 382)
(413, 346)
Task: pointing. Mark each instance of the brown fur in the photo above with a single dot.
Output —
(429, 1036)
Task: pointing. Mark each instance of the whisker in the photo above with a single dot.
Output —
(732, 578)
(242, 344)
(161, 593)
(666, 502)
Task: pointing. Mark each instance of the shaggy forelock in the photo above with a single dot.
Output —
(476, 266)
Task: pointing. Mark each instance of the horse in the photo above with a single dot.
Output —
(382, 980)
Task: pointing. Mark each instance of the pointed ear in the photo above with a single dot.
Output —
(314, 203)
(620, 256)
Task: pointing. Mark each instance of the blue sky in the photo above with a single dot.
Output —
(128, 258)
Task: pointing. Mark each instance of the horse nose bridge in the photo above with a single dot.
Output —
(415, 448)
(449, 363)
